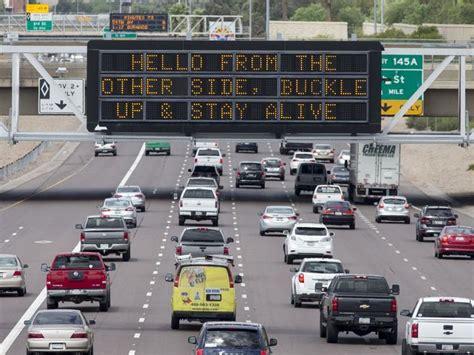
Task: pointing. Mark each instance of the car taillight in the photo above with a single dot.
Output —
(407, 206)
(425, 220)
(17, 273)
(103, 280)
(231, 281)
(301, 278)
(139, 195)
(79, 335)
(238, 173)
(199, 351)
(263, 352)
(315, 197)
(125, 235)
(221, 161)
(333, 176)
(226, 251)
(112, 146)
(451, 222)
(48, 280)
(179, 250)
(444, 239)
(83, 236)
(35, 335)
(381, 205)
(393, 306)
(414, 330)
(327, 211)
(348, 212)
(335, 304)
(117, 196)
(294, 218)
(266, 216)
(105, 209)
(129, 209)
(176, 281)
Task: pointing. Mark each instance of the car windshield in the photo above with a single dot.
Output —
(446, 309)
(362, 286)
(328, 190)
(101, 222)
(202, 235)
(198, 193)
(304, 156)
(439, 212)
(323, 267)
(272, 163)
(323, 147)
(77, 262)
(128, 189)
(208, 152)
(340, 169)
(57, 318)
(118, 203)
(280, 210)
(394, 201)
(251, 166)
(337, 205)
(460, 230)
(202, 182)
(311, 231)
(232, 338)
(8, 261)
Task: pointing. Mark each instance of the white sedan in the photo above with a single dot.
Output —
(298, 158)
(308, 240)
(310, 272)
(344, 155)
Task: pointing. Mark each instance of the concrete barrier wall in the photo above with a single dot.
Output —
(293, 30)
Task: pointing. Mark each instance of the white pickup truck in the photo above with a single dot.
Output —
(210, 157)
(199, 204)
(440, 325)
(197, 145)
(325, 193)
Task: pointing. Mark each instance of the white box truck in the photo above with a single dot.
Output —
(374, 171)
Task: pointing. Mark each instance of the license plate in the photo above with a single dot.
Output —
(310, 244)
(76, 292)
(364, 320)
(460, 238)
(438, 222)
(57, 346)
(104, 151)
(104, 246)
(213, 298)
(252, 175)
(338, 213)
(198, 213)
(279, 219)
(447, 347)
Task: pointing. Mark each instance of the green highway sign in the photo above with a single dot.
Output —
(39, 21)
(402, 75)
(119, 35)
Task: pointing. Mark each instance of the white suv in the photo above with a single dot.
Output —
(298, 158)
(210, 157)
(308, 240)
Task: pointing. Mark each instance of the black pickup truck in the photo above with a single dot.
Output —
(205, 171)
(361, 304)
(287, 147)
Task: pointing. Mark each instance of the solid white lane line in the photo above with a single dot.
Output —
(134, 166)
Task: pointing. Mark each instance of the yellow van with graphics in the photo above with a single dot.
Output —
(203, 290)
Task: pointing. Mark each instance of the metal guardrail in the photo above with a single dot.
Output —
(21, 163)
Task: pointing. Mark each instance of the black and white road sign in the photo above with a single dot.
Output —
(51, 102)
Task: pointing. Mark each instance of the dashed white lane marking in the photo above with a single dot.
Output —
(141, 320)
(246, 308)
(158, 263)
(145, 306)
(397, 251)
(20, 227)
(405, 260)
(244, 296)
(136, 336)
(148, 294)
(14, 234)
(423, 278)
(131, 352)
(155, 272)
(433, 288)
(6, 240)
(242, 284)
(414, 268)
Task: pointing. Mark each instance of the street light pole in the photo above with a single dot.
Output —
(382, 7)
(375, 16)
(267, 19)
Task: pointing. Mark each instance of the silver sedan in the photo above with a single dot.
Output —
(394, 208)
(64, 330)
(277, 219)
(12, 274)
(120, 207)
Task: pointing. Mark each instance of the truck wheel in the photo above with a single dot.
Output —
(352, 226)
(407, 221)
(289, 259)
(181, 221)
(51, 304)
(315, 209)
(147, 152)
(96, 154)
(332, 333)
(104, 304)
(262, 233)
(174, 322)
(282, 178)
(127, 254)
(322, 327)
(168, 152)
(21, 291)
(406, 349)
(391, 338)
(215, 222)
(297, 192)
(298, 304)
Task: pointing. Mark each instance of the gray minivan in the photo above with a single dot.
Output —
(310, 175)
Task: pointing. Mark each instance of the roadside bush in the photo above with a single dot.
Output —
(426, 32)
(444, 124)
(470, 167)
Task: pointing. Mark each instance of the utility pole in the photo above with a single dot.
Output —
(382, 7)
(375, 16)
(250, 19)
(267, 19)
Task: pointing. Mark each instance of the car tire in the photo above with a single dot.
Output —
(51, 304)
(419, 237)
(168, 153)
(332, 333)
(104, 304)
(181, 220)
(126, 256)
(174, 322)
(352, 226)
(297, 192)
(440, 255)
(289, 259)
(315, 209)
(220, 172)
(322, 327)
(392, 338)
(285, 257)
(282, 178)
(96, 154)
(262, 233)
(91, 351)
(147, 153)
(406, 349)
(298, 303)
(292, 299)
(215, 222)
(29, 352)
(237, 186)
(21, 292)
(378, 220)
(262, 186)
(407, 220)
(115, 154)
(143, 209)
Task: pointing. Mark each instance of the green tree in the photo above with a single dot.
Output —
(426, 32)
(313, 12)
(353, 16)
(177, 9)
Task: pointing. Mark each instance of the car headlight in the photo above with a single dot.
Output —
(293, 237)
(327, 239)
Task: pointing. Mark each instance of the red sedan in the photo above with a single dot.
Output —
(455, 240)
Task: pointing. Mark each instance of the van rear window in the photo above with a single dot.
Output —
(210, 276)
(312, 169)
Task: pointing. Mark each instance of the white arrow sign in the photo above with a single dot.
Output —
(49, 101)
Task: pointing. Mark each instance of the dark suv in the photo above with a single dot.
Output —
(432, 219)
(232, 338)
(250, 173)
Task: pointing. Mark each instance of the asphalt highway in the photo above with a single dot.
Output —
(37, 221)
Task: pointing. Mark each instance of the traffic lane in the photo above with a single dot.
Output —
(48, 228)
(443, 276)
(113, 328)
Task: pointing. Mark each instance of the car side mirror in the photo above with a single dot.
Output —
(347, 271)
(294, 269)
(331, 234)
(297, 214)
(354, 208)
(272, 342)
(285, 232)
(395, 289)
(416, 215)
(190, 170)
(111, 267)
(27, 322)
(174, 238)
(221, 187)
(284, 163)
(238, 279)
(230, 240)
(223, 155)
(25, 266)
(405, 313)
(169, 277)
(456, 216)
(318, 287)
(79, 226)
(376, 203)
(329, 172)
(92, 322)
(192, 340)
(45, 267)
